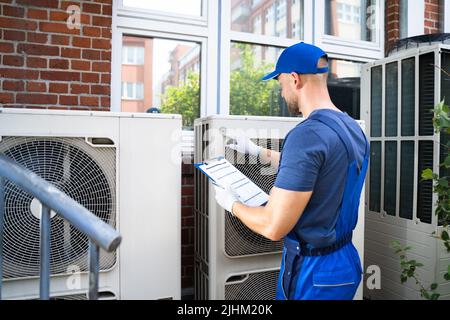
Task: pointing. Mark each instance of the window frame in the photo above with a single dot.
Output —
(152, 24)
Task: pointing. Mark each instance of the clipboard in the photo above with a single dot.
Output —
(222, 173)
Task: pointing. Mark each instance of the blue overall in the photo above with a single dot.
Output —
(333, 272)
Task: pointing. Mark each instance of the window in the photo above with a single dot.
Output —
(132, 90)
(279, 18)
(133, 55)
(185, 7)
(351, 19)
(403, 19)
(344, 82)
(168, 79)
(248, 94)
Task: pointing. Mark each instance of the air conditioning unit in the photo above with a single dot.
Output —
(231, 261)
(123, 167)
(398, 93)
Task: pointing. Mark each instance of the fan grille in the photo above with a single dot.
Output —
(85, 173)
(255, 286)
(239, 239)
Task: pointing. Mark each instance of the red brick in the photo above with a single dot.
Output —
(71, 53)
(36, 62)
(37, 37)
(101, 44)
(36, 86)
(39, 3)
(90, 77)
(101, 66)
(65, 4)
(187, 211)
(79, 88)
(6, 97)
(18, 73)
(82, 42)
(91, 54)
(106, 78)
(187, 201)
(13, 61)
(106, 33)
(60, 40)
(92, 7)
(107, 10)
(6, 47)
(105, 102)
(99, 89)
(68, 100)
(59, 64)
(106, 55)
(37, 14)
(80, 65)
(101, 21)
(60, 75)
(13, 35)
(13, 85)
(58, 87)
(89, 101)
(92, 31)
(37, 49)
(13, 11)
(58, 16)
(57, 28)
(35, 98)
(21, 24)
(187, 191)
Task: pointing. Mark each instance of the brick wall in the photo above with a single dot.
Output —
(432, 16)
(45, 64)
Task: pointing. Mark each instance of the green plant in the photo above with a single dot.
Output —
(441, 123)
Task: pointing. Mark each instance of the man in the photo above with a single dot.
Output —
(314, 202)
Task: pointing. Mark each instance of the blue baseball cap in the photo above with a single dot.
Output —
(301, 58)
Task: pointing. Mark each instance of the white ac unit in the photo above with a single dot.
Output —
(397, 96)
(123, 167)
(231, 261)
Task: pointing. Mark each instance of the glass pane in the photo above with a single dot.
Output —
(278, 18)
(403, 16)
(167, 81)
(344, 80)
(426, 94)
(425, 188)
(390, 177)
(407, 179)
(185, 7)
(375, 176)
(375, 105)
(352, 19)
(391, 99)
(248, 94)
(408, 96)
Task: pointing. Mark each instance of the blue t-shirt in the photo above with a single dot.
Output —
(315, 159)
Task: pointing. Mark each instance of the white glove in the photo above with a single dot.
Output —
(226, 197)
(246, 146)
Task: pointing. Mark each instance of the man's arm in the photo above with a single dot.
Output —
(278, 217)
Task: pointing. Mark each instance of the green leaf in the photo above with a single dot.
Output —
(434, 286)
(444, 236)
(403, 278)
(427, 174)
(435, 296)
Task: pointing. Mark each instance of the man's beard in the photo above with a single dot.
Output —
(293, 107)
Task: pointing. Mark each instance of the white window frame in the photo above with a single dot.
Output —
(134, 90)
(352, 48)
(135, 56)
(152, 24)
(416, 26)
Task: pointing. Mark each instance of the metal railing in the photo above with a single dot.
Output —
(99, 233)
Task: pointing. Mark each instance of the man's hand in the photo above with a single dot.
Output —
(246, 146)
(226, 197)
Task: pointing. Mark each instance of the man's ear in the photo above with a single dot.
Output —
(298, 81)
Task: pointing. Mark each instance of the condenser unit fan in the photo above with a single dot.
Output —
(85, 173)
(239, 239)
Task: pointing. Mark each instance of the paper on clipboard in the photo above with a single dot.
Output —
(223, 173)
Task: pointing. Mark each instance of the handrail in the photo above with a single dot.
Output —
(99, 233)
